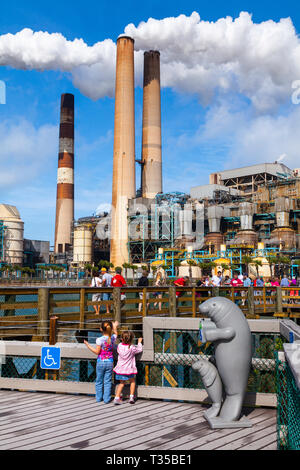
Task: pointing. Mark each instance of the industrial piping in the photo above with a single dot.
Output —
(124, 150)
(151, 141)
(65, 176)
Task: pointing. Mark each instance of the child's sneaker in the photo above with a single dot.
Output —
(131, 399)
(117, 401)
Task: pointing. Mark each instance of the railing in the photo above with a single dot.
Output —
(288, 397)
(171, 345)
(26, 312)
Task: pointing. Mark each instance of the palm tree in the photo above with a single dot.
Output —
(191, 262)
(134, 269)
(284, 263)
(272, 260)
(126, 266)
(257, 263)
(246, 260)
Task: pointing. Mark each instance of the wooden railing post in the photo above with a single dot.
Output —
(215, 292)
(194, 302)
(43, 313)
(82, 308)
(52, 331)
(145, 301)
(9, 299)
(251, 305)
(117, 303)
(278, 299)
(172, 301)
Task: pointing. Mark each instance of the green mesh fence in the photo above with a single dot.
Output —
(175, 352)
(75, 370)
(288, 408)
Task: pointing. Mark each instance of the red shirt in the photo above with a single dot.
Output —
(180, 282)
(118, 281)
(236, 282)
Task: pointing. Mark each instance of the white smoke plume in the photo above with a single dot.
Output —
(257, 60)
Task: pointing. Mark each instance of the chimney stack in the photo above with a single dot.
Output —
(151, 143)
(65, 176)
(124, 150)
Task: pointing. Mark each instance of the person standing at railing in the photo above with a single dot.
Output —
(246, 283)
(106, 282)
(126, 366)
(160, 281)
(293, 293)
(119, 281)
(181, 282)
(284, 282)
(105, 362)
(96, 282)
(236, 282)
(143, 282)
(217, 279)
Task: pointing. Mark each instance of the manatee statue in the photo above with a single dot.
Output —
(212, 384)
(231, 336)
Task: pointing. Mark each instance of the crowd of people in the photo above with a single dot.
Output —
(243, 280)
(105, 279)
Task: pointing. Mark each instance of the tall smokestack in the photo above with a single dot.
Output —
(124, 150)
(65, 175)
(151, 144)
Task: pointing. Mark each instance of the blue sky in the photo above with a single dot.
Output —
(197, 139)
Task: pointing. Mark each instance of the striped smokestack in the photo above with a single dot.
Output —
(123, 187)
(151, 144)
(65, 175)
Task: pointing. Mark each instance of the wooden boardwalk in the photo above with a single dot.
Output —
(45, 421)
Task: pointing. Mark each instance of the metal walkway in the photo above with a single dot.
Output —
(45, 421)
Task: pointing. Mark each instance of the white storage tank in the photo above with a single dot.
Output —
(13, 234)
(83, 244)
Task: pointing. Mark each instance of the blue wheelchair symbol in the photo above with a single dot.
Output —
(50, 358)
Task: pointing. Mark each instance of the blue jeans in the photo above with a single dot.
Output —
(103, 380)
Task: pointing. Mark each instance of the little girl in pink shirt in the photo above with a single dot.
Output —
(126, 367)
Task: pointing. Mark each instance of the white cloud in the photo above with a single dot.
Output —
(25, 151)
(258, 60)
(246, 139)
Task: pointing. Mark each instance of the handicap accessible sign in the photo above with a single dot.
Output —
(50, 358)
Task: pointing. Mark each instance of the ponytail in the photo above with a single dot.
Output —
(106, 327)
(127, 338)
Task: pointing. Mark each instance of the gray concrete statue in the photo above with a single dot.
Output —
(226, 381)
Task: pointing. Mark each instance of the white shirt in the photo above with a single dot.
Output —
(216, 280)
(96, 282)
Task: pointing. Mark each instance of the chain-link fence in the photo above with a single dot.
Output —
(288, 408)
(175, 351)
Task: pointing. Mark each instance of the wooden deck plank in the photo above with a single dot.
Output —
(115, 431)
(32, 400)
(85, 413)
(165, 425)
(152, 440)
(36, 440)
(203, 431)
(271, 446)
(210, 441)
(42, 405)
(265, 436)
(34, 420)
(243, 437)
